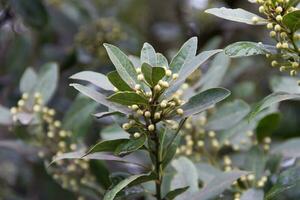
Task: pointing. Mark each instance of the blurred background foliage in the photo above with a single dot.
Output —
(71, 33)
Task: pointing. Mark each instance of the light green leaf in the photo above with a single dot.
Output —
(217, 185)
(161, 60)
(228, 115)
(111, 194)
(215, 74)
(78, 119)
(47, 81)
(123, 65)
(288, 149)
(184, 55)
(255, 161)
(118, 82)
(98, 97)
(130, 145)
(204, 100)
(28, 80)
(113, 132)
(152, 74)
(285, 84)
(98, 79)
(106, 146)
(272, 99)
(237, 15)
(128, 98)
(148, 55)
(174, 193)
(186, 175)
(206, 172)
(5, 116)
(244, 48)
(135, 61)
(253, 194)
(292, 20)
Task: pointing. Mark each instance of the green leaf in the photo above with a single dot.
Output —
(174, 193)
(186, 175)
(267, 125)
(215, 74)
(184, 55)
(288, 149)
(204, 100)
(285, 84)
(272, 99)
(78, 119)
(255, 161)
(288, 180)
(106, 146)
(47, 81)
(98, 79)
(244, 48)
(98, 97)
(118, 82)
(217, 185)
(111, 194)
(206, 172)
(228, 115)
(135, 61)
(28, 80)
(148, 55)
(152, 74)
(292, 20)
(253, 194)
(161, 60)
(5, 116)
(33, 12)
(128, 98)
(113, 132)
(130, 145)
(237, 15)
(123, 65)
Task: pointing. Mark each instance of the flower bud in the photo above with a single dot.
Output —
(254, 20)
(134, 107)
(261, 9)
(272, 34)
(137, 87)
(157, 115)
(157, 88)
(13, 110)
(175, 76)
(140, 77)
(138, 70)
(293, 72)
(139, 112)
(25, 96)
(168, 72)
(278, 9)
(279, 18)
(21, 103)
(147, 114)
(151, 127)
(295, 64)
(285, 45)
(163, 104)
(277, 28)
(136, 135)
(179, 111)
(126, 126)
(269, 26)
(274, 63)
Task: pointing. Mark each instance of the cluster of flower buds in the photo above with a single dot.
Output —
(145, 117)
(286, 39)
(54, 141)
(102, 30)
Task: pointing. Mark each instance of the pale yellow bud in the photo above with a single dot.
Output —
(157, 115)
(132, 122)
(200, 143)
(293, 72)
(140, 77)
(13, 110)
(163, 104)
(250, 177)
(168, 72)
(272, 34)
(269, 26)
(139, 112)
(73, 147)
(157, 88)
(278, 9)
(261, 9)
(277, 28)
(36, 108)
(137, 87)
(285, 45)
(136, 135)
(278, 45)
(295, 64)
(21, 103)
(25, 96)
(57, 124)
(126, 126)
(254, 20)
(175, 76)
(138, 70)
(179, 111)
(283, 35)
(147, 114)
(211, 134)
(134, 107)
(37, 95)
(151, 127)
(279, 18)
(50, 134)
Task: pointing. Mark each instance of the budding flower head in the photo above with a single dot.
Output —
(179, 111)
(157, 88)
(140, 77)
(293, 72)
(134, 107)
(269, 26)
(147, 114)
(163, 104)
(138, 70)
(278, 9)
(175, 76)
(274, 63)
(277, 28)
(151, 127)
(285, 45)
(139, 112)
(279, 18)
(126, 126)
(25, 96)
(272, 34)
(157, 115)
(295, 64)
(13, 110)
(136, 135)
(168, 72)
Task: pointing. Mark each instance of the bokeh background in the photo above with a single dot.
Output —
(71, 33)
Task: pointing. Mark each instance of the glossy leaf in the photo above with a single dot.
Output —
(118, 82)
(130, 145)
(236, 15)
(292, 20)
(228, 115)
(152, 74)
(174, 193)
(28, 80)
(272, 99)
(5, 116)
(98, 79)
(204, 100)
(252, 194)
(106, 146)
(128, 98)
(244, 48)
(184, 55)
(123, 65)
(217, 185)
(148, 55)
(98, 97)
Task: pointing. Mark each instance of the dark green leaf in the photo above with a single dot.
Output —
(28, 80)
(118, 82)
(244, 48)
(106, 146)
(184, 55)
(128, 98)
(33, 12)
(228, 115)
(123, 65)
(152, 74)
(204, 100)
(174, 193)
(148, 55)
(267, 125)
(130, 145)
(237, 15)
(96, 96)
(292, 20)
(95, 78)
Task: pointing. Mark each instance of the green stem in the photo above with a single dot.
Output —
(158, 167)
